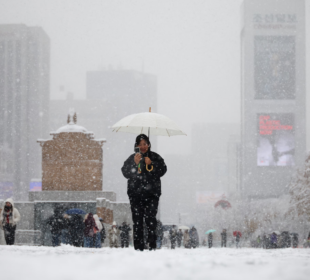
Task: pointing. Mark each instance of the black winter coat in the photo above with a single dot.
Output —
(146, 182)
(124, 229)
(56, 223)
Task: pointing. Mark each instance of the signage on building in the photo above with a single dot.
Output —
(274, 68)
(276, 140)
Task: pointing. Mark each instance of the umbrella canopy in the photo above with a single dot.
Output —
(236, 232)
(149, 124)
(183, 227)
(75, 211)
(210, 231)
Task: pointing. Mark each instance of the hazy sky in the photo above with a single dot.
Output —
(192, 46)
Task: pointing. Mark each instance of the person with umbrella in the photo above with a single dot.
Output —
(75, 224)
(237, 235)
(143, 169)
(210, 239)
(56, 223)
(90, 230)
(186, 240)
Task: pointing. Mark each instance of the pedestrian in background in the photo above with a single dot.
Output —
(97, 236)
(238, 236)
(56, 224)
(102, 233)
(224, 238)
(113, 234)
(179, 237)
(210, 240)
(194, 238)
(9, 217)
(90, 230)
(124, 234)
(173, 236)
(75, 227)
(159, 234)
(186, 240)
(274, 240)
(295, 240)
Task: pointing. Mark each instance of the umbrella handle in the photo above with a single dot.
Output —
(147, 168)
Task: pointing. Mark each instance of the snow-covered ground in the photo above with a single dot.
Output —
(66, 262)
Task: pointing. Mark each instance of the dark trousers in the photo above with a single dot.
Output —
(125, 243)
(223, 243)
(179, 241)
(144, 210)
(56, 239)
(9, 234)
(173, 241)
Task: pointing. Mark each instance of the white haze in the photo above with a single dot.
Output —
(192, 46)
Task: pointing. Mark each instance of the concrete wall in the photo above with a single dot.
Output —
(26, 210)
(71, 196)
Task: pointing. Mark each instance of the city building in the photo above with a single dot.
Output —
(273, 95)
(24, 106)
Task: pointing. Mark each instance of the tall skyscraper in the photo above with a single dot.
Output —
(273, 95)
(24, 103)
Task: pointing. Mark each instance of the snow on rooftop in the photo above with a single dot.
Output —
(71, 127)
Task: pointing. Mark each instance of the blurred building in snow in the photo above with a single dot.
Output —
(24, 106)
(111, 96)
(273, 95)
(210, 142)
(234, 164)
(200, 179)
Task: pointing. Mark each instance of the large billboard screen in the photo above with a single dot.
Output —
(276, 140)
(274, 67)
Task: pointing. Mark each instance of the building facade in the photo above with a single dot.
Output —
(273, 95)
(24, 95)
(72, 160)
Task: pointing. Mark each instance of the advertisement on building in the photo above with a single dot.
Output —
(274, 67)
(275, 139)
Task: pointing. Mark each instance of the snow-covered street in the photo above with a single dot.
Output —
(66, 262)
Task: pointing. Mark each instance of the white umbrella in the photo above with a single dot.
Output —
(183, 227)
(148, 123)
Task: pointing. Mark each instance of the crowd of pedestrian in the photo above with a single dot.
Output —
(88, 231)
(279, 240)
